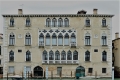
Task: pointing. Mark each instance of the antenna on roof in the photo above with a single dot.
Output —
(22, 5)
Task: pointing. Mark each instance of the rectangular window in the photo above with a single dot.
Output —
(47, 41)
(95, 50)
(11, 69)
(60, 41)
(90, 70)
(0, 62)
(19, 50)
(54, 41)
(103, 70)
(0, 50)
(59, 70)
(28, 69)
(66, 41)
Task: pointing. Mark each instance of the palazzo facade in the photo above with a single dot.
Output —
(69, 43)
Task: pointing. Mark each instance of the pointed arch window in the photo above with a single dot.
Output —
(51, 55)
(54, 39)
(104, 39)
(73, 38)
(75, 55)
(104, 56)
(41, 38)
(28, 56)
(11, 39)
(66, 22)
(69, 55)
(60, 39)
(87, 22)
(11, 22)
(63, 55)
(45, 56)
(48, 22)
(57, 55)
(27, 39)
(11, 56)
(54, 22)
(66, 39)
(47, 39)
(87, 39)
(27, 21)
(87, 56)
(103, 22)
(60, 22)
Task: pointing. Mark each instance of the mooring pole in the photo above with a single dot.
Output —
(112, 73)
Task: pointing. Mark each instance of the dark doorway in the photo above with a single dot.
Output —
(80, 71)
(38, 71)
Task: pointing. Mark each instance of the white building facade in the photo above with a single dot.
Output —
(69, 43)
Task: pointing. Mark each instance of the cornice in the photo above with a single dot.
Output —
(58, 15)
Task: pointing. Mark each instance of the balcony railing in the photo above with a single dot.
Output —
(73, 44)
(41, 44)
(57, 26)
(60, 61)
(28, 25)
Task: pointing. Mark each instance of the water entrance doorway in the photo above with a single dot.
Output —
(80, 71)
(38, 71)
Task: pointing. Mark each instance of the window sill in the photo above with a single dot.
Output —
(11, 61)
(27, 61)
(27, 45)
(87, 45)
(87, 61)
(11, 45)
(104, 61)
(104, 26)
(87, 25)
(104, 45)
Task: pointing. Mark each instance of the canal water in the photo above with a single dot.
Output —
(70, 79)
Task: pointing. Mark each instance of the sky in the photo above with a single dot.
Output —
(62, 7)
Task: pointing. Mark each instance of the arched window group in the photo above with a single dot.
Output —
(11, 39)
(57, 54)
(57, 39)
(56, 23)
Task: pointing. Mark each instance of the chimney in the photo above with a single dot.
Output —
(116, 35)
(20, 12)
(95, 11)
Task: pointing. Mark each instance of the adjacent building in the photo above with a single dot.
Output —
(71, 44)
(116, 54)
(1, 55)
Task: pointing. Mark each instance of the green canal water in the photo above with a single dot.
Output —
(70, 79)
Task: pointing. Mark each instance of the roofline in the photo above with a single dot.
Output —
(58, 15)
(116, 39)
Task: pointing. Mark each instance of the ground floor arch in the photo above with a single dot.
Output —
(80, 71)
(38, 71)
